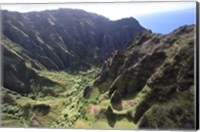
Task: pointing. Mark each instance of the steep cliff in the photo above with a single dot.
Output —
(65, 39)
(154, 80)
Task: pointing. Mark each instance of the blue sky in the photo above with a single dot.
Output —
(168, 21)
(160, 17)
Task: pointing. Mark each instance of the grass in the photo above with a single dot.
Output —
(102, 123)
(69, 108)
(95, 94)
(10, 123)
(105, 103)
(123, 123)
(122, 120)
(65, 109)
(74, 104)
(81, 124)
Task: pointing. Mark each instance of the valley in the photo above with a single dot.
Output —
(66, 109)
(69, 68)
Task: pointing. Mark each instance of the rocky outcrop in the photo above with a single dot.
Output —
(41, 108)
(177, 112)
(163, 63)
(67, 38)
(18, 76)
(64, 39)
(173, 84)
(116, 100)
(110, 116)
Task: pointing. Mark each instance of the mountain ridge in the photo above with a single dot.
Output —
(64, 39)
(52, 75)
(97, 28)
(153, 71)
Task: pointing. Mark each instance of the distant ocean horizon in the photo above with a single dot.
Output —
(166, 22)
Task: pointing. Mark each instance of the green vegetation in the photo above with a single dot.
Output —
(61, 105)
(52, 77)
(151, 86)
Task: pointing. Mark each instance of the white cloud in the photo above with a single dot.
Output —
(111, 10)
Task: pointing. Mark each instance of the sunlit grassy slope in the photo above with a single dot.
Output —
(67, 109)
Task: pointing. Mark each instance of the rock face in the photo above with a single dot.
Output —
(63, 39)
(116, 100)
(150, 77)
(163, 63)
(41, 108)
(17, 74)
(67, 38)
(110, 116)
